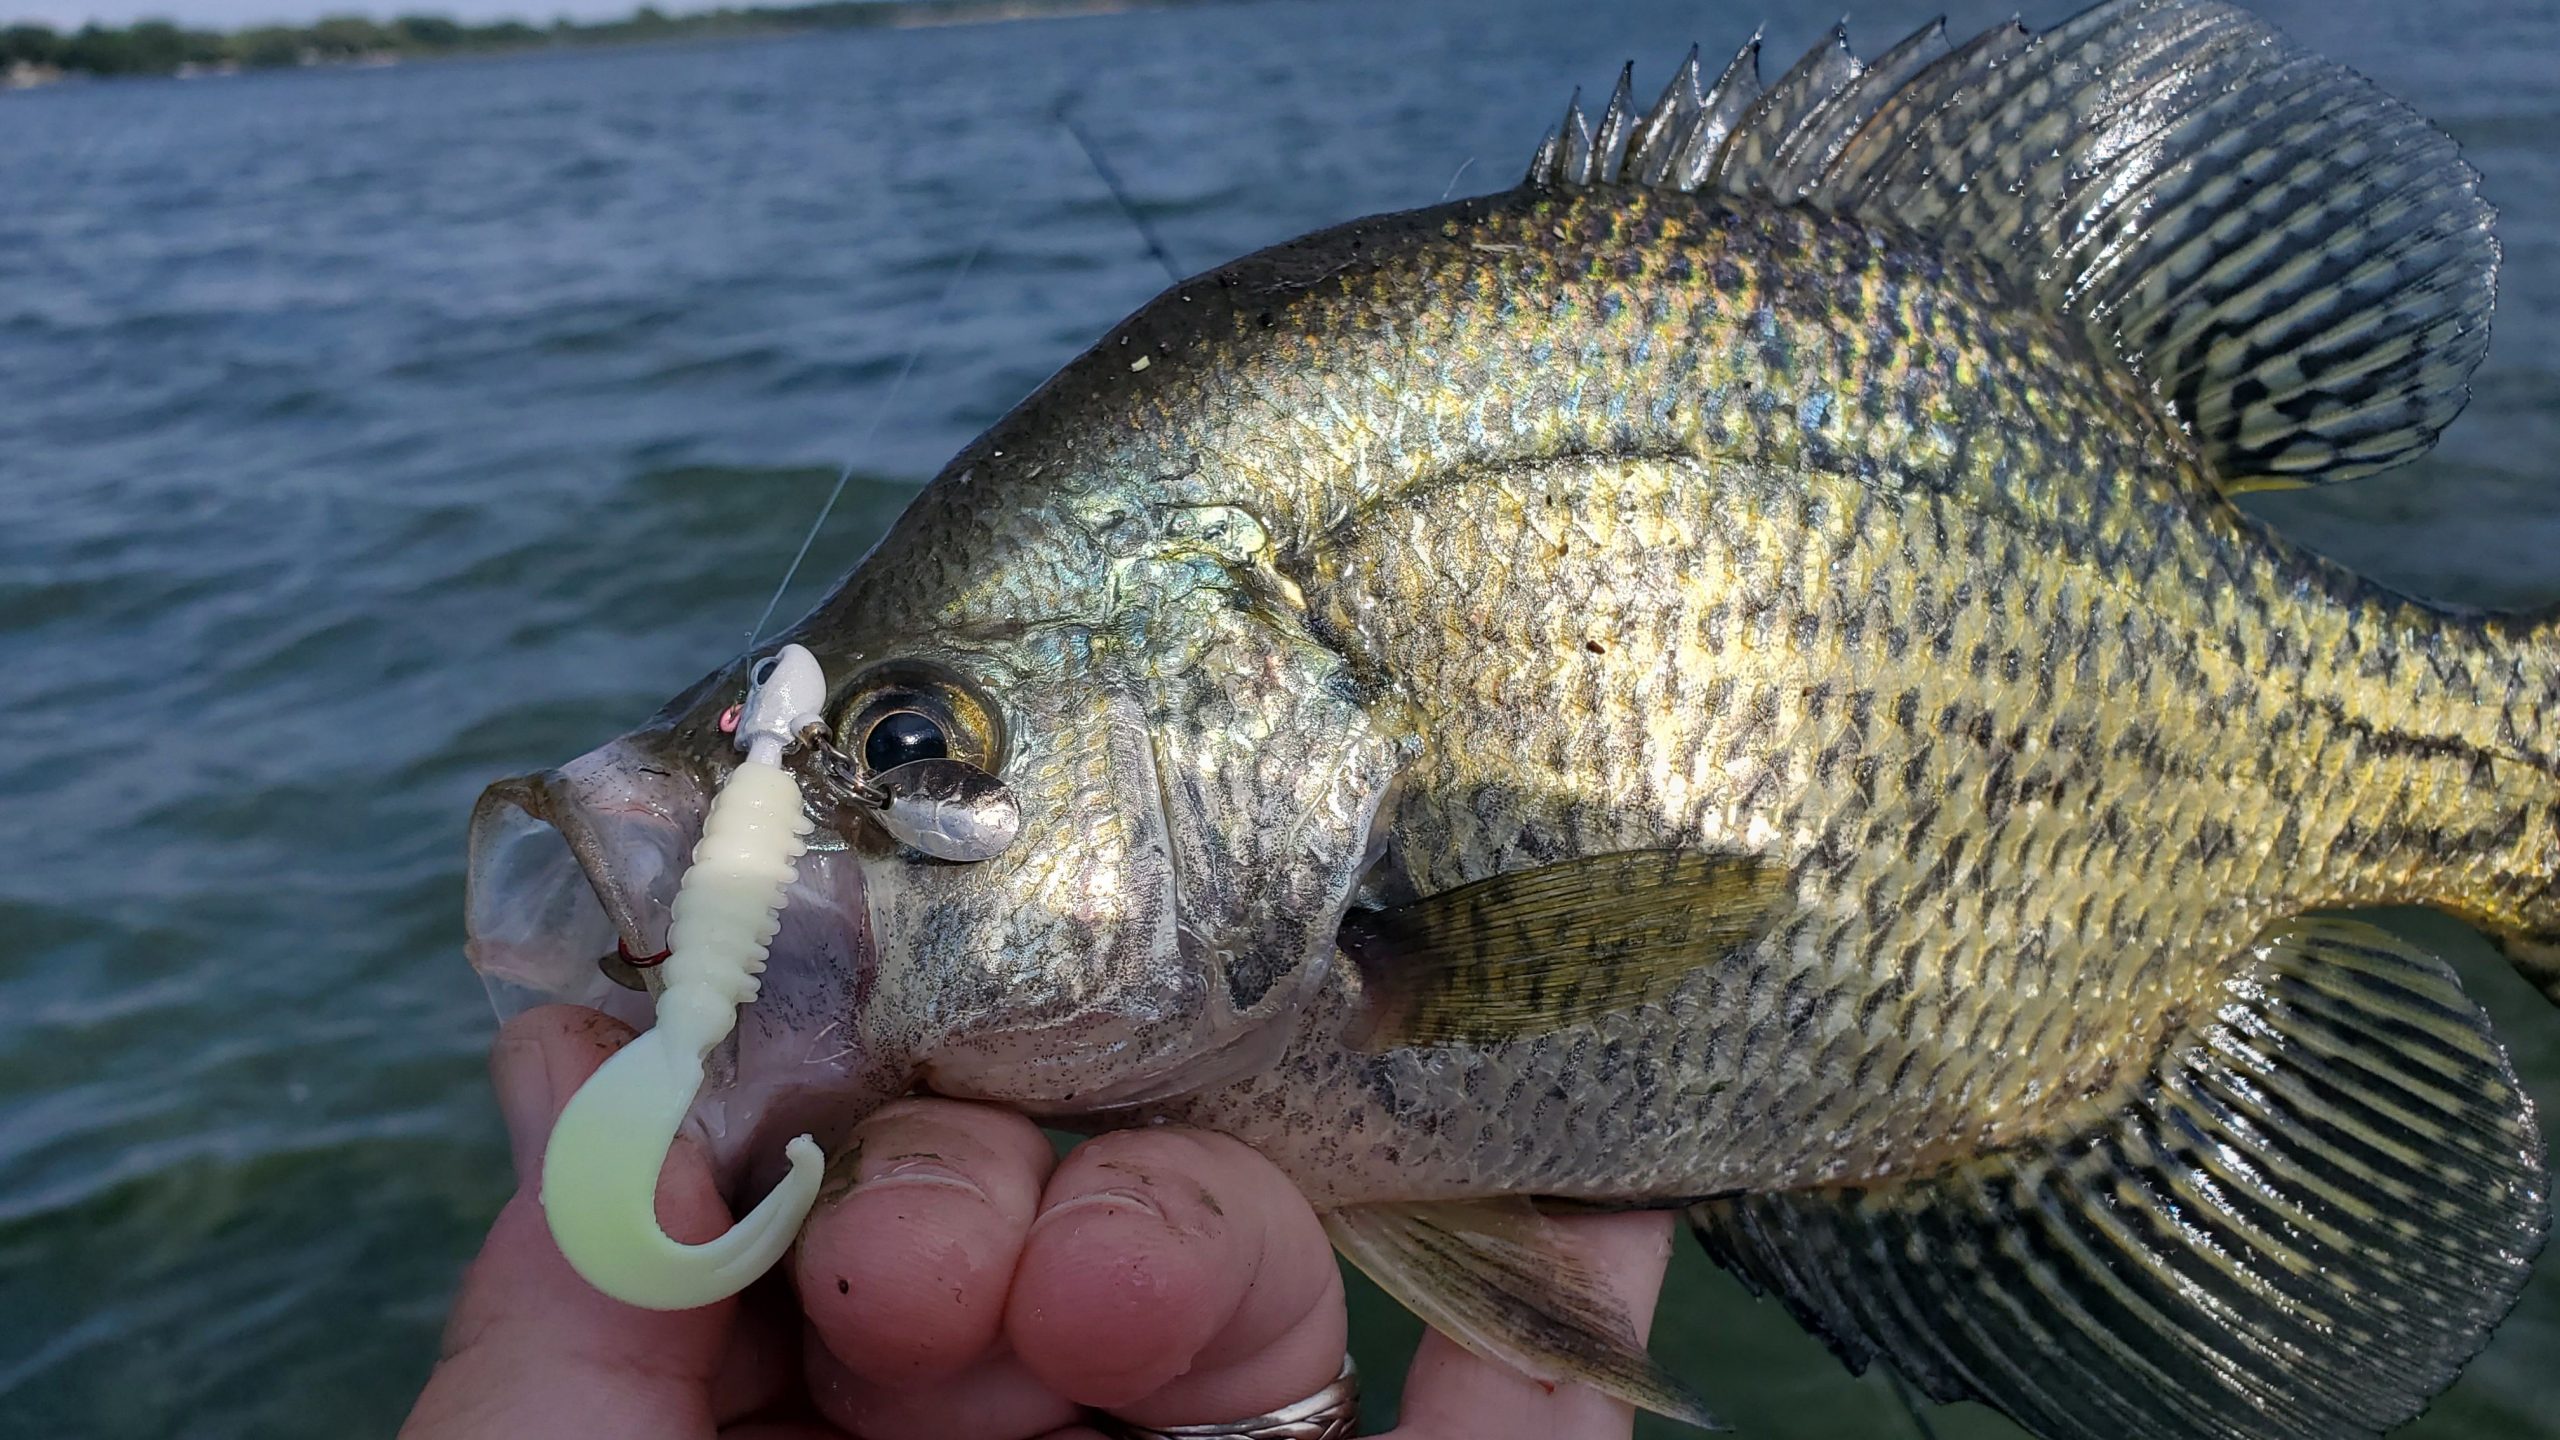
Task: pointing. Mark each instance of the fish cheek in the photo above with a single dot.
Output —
(1276, 768)
(1196, 817)
(1050, 972)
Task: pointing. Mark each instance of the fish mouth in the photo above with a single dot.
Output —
(572, 869)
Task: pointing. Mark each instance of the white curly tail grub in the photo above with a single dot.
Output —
(600, 1175)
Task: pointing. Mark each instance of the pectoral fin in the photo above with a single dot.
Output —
(1536, 950)
(2326, 1195)
(1497, 1278)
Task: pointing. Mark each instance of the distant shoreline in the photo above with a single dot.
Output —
(35, 55)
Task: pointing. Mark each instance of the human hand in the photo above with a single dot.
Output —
(957, 1282)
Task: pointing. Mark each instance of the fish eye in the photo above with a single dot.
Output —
(900, 736)
(909, 710)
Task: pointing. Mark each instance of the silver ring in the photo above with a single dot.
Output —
(1331, 1413)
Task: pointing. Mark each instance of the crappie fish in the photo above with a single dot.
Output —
(1725, 677)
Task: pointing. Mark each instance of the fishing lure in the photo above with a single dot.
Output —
(600, 1174)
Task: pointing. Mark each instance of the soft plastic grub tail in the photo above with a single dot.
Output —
(600, 1174)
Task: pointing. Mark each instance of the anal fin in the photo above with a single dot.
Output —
(2324, 1198)
(1495, 1277)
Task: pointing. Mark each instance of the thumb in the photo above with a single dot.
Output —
(531, 1348)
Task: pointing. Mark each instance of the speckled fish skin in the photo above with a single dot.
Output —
(1666, 519)
(1827, 484)
(1619, 518)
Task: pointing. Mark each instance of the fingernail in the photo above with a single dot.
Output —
(1121, 1199)
(920, 1170)
(843, 1172)
(522, 1074)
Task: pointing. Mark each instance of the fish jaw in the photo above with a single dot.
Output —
(567, 865)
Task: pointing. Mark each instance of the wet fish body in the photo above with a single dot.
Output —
(1728, 677)
(2097, 723)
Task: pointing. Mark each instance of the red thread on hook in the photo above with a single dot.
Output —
(622, 948)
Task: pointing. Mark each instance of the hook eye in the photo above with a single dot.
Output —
(949, 809)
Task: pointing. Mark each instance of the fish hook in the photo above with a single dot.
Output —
(600, 1172)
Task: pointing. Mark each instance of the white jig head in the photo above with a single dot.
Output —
(600, 1174)
(788, 695)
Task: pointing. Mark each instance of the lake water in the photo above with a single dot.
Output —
(365, 436)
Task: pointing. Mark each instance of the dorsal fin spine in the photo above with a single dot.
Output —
(1617, 123)
(1752, 154)
(1543, 165)
(1860, 173)
(1657, 135)
(1724, 106)
(1577, 142)
(2299, 267)
(1847, 112)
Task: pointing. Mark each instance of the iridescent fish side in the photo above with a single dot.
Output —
(1728, 678)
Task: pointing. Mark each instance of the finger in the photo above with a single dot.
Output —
(1450, 1394)
(759, 1369)
(532, 1349)
(1175, 1277)
(992, 1398)
(904, 1267)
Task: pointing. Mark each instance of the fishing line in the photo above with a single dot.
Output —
(844, 477)
(1119, 192)
(1146, 231)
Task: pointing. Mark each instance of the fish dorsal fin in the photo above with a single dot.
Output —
(2300, 267)
(2310, 1216)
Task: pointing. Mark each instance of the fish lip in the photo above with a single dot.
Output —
(629, 823)
(565, 864)
(533, 795)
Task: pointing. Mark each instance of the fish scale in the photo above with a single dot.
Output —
(1570, 600)
(1984, 974)
(1728, 677)
(1752, 586)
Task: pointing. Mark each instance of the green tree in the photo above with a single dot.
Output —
(427, 32)
(267, 47)
(156, 47)
(29, 44)
(343, 36)
(99, 51)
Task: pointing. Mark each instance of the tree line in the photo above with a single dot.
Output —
(159, 47)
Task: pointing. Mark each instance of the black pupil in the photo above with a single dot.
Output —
(901, 736)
